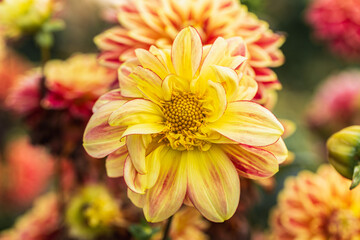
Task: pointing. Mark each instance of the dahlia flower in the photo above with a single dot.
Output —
(343, 153)
(26, 16)
(142, 27)
(335, 104)
(41, 222)
(181, 121)
(75, 84)
(337, 23)
(92, 212)
(25, 173)
(186, 224)
(317, 206)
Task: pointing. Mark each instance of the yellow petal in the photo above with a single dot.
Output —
(213, 184)
(229, 79)
(145, 128)
(148, 60)
(115, 162)
(173, 83)
(100, 138)
(136, 111)
(248, 88)
(252, 162)
(279, 150)
(168, 194)
(215, 101)
(248, 123)
(187, 52)
(136, 198)
(148, 83)
(137, 182)
(136, 145)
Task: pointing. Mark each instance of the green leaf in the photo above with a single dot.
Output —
(143, 231)
(356, 177)
(54, 25)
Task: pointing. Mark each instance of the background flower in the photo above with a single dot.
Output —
(143, 27)
(317, 206)
(337, 23)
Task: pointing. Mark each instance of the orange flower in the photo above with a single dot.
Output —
(186, 224)
(25, 173)
(142, 26)
(184, 120)
(317, 206)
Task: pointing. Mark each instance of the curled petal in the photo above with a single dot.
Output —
(279, 149)
(127, 84)
(115, 162)
(215, 101)
(229, 79)
(145, 128)
(136, 111)
(168, 194)
(137, 145)
(113, 95)
(100, 138)
(148, 60)
(213, 183)
(136, 198)
(186, 52)
(248, 123)
(252, 162)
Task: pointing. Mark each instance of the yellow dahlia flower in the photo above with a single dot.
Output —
(317, 206)
(25, 16)
(182, 127)
(143, 26)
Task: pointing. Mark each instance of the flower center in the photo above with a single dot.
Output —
(343, 225)
(183, 113)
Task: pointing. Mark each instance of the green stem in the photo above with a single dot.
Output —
(167, 229)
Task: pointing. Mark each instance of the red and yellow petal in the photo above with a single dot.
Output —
(248, 123)
(186, 53)
(279, 149)
(213, 183)
(148, 60)
(101, 139)
(115, 162)
(167, 195)
(252, 162)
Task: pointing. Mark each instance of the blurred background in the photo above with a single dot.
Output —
(308, 63)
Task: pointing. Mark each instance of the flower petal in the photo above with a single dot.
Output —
(136, 111)
(100, 138)
(148, 60)
(279, 149)
(229, 79)
(127, 84)
(213, 183)
(186, 52)
(148, 83)
(248, 123)
(113, 95)
(136, 198)
(215, 101)
(136, 145)
(145, 128)
(168, 194)
(115, 162)
(137, 182)
(252, 162)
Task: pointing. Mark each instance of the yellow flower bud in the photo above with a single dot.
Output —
(343, 153)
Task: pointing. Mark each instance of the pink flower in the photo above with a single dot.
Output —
(337, 22)
(335, 104)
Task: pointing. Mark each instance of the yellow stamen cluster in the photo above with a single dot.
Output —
(183, 113)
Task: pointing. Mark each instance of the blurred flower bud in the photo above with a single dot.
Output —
(92, 212)
(343, 153)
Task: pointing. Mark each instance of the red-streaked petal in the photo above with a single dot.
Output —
(213, 183)
(148, 60)
(168, 194)
(113, 95)
(186, 52)
(115, 162)
(136, 198)
(279, 149)
(127, 84)
(252, 162)
(248, 123)
(100, 138)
